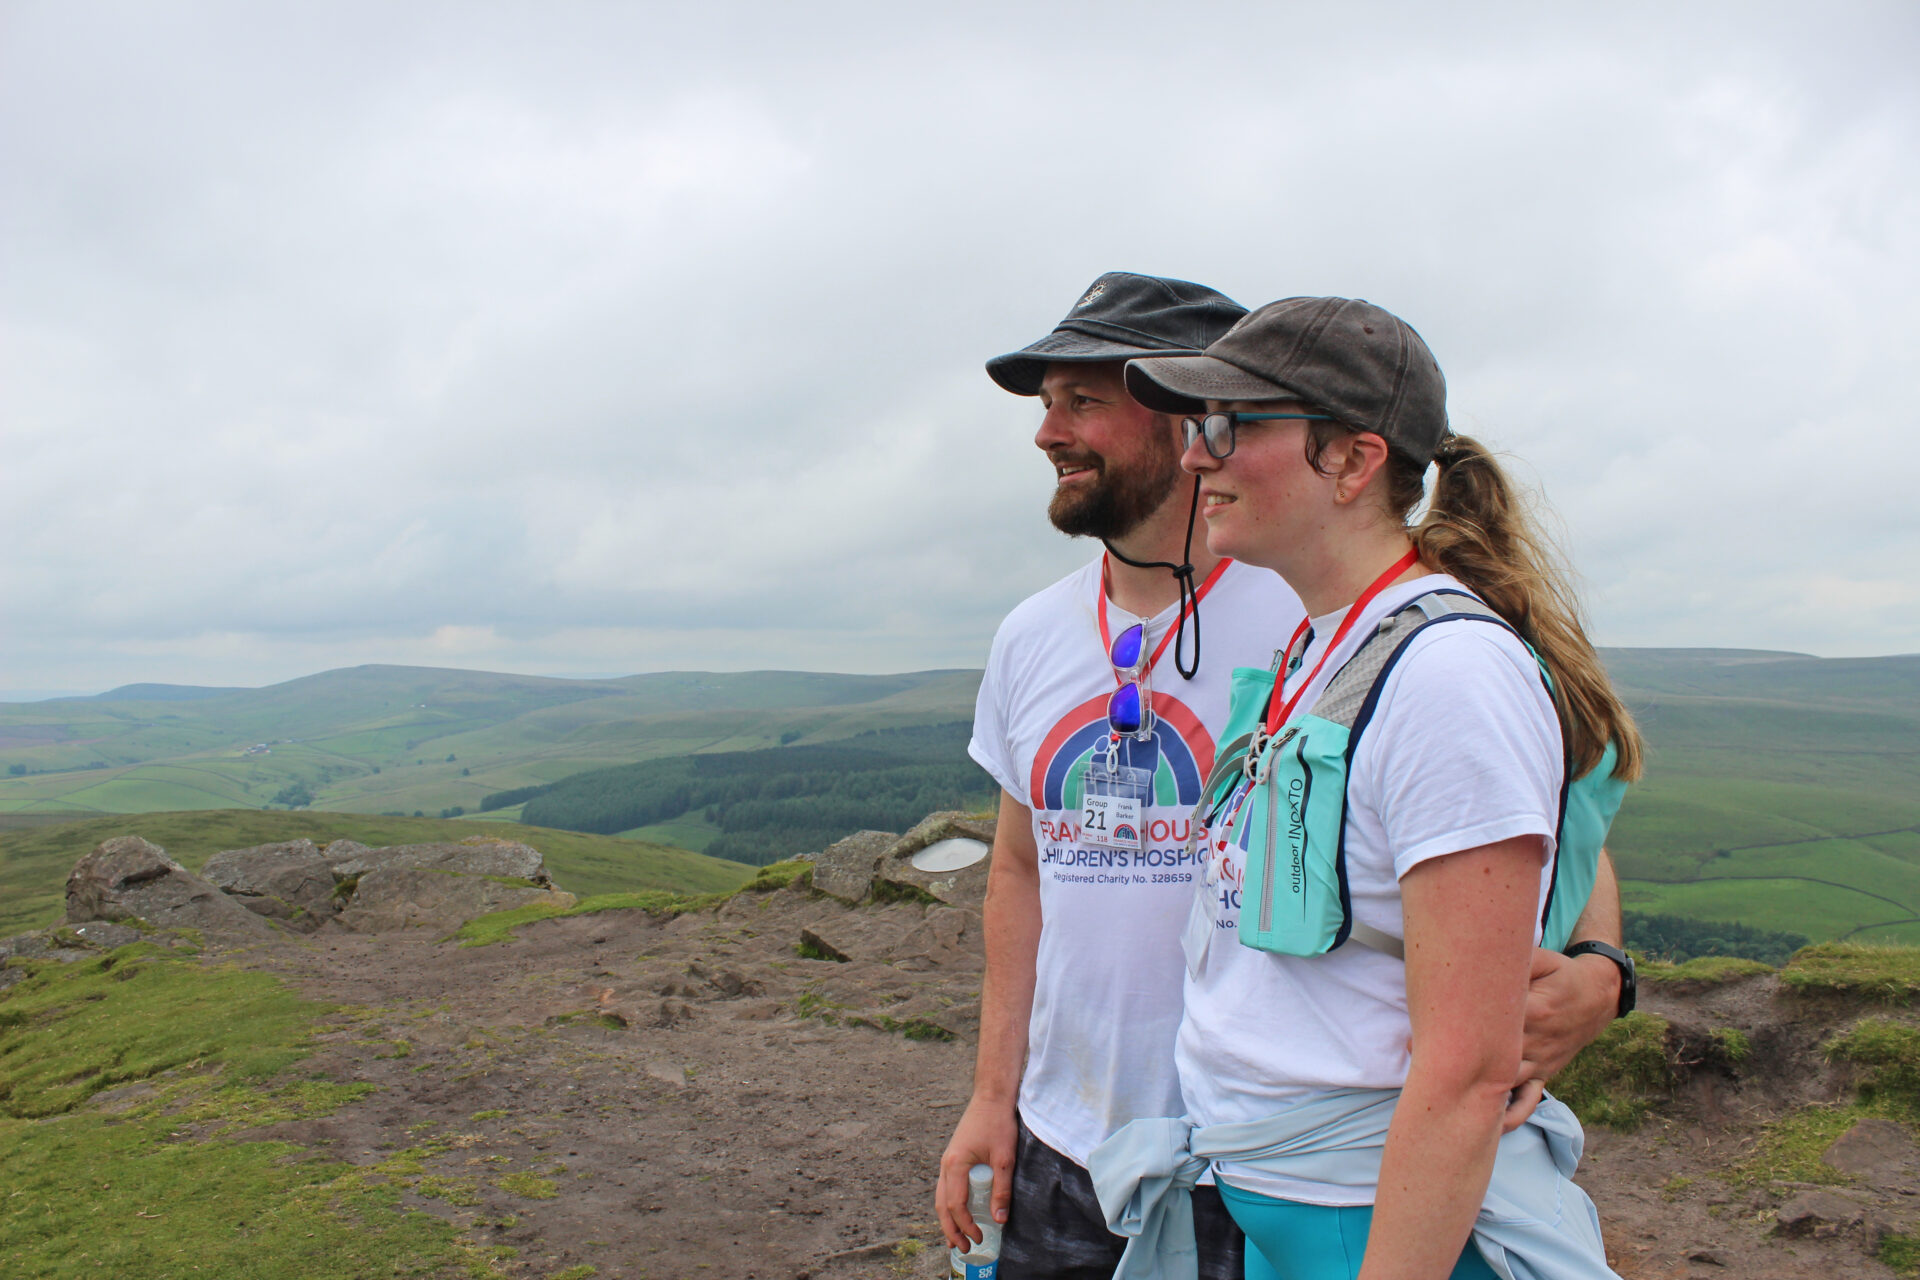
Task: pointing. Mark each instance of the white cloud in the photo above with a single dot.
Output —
(628, 338)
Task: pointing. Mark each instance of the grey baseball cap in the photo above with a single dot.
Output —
(1349, 358)
(1120, 316)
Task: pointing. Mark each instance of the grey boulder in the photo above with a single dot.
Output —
(428, 897)
(960, 887)
(293, 882)
(128, 878)
(845, 868)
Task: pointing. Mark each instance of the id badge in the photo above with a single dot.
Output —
(1113, 805)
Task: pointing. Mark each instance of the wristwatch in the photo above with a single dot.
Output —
(1619, 958)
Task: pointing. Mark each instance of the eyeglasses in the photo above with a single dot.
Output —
(1128, 710)
(1218, 428)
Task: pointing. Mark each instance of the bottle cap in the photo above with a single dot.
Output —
(981, 1175)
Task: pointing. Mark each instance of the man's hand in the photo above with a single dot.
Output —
(986, 1135)
(1569, 1002)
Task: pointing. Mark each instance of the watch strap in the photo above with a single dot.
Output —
(1628, 987)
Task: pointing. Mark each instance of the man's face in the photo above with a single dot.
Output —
(1114, 461)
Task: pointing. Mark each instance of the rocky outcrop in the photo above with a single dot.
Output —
(845, 868)
(128, 878)
(435, 897)
(955, 885)
(294, 882)
(477, 856)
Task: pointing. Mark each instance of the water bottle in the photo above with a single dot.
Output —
(983, 1260)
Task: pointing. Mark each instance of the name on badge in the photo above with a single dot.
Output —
(1114, 821)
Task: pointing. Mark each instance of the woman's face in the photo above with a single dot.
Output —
(1263, 500)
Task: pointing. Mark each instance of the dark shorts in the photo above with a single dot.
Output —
(1055, 1230)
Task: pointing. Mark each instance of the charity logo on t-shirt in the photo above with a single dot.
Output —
(1175, 756)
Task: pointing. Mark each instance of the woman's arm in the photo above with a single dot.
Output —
(1469, 924)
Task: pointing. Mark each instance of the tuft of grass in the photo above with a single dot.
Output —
(1732, 1044)
(1885, 975)
(462, 1193)
(496, 1113)
(1675, 1188)
(778, 875)
(528, 1186)
(1711, 971)
(1901, 1252)
(1616, 1080)
(885, 891)
(1891, 1052)
(581, 1272)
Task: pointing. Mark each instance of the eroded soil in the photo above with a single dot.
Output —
(695, 1097)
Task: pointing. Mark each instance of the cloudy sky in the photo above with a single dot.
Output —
(598, 338)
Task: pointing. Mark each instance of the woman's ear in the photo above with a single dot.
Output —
(1366, 457)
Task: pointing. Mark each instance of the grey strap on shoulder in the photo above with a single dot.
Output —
(1347, 694)
(1224, 764)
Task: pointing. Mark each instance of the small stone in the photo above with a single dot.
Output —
(1816, 1215)
(821, 948)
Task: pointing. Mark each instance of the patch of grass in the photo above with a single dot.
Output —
(811, 1004)
(496, 1113)
(1885, 975)
(145, 1191)
(778, 875)
(1789, 1149)
(1676, 1187)
(1615, 1080)
(885, 891)
(513, 882)
(461, 1192)
(1732, 1045)
(1701, 970)
(1901, 1252)
(528, 1186)
(1891, 1052)
(498, 926)
(581, 1272)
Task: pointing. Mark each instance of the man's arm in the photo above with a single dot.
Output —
(1569, 1002)
(1010, 924)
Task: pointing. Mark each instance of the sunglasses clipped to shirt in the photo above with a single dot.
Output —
(1129, 714)
(1218, 429)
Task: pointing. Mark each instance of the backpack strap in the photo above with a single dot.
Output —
(1352, 696)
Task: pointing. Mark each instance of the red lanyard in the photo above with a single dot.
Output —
(1277, 714)
(1100, 609)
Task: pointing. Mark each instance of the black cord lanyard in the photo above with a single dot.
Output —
(1189, 598)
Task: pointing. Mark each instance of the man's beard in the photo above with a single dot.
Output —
(1119, 499)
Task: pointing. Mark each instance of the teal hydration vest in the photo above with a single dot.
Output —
(1288, 797)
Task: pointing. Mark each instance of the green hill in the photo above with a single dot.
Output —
(34, 861)
(405, 739)
(1782, 791)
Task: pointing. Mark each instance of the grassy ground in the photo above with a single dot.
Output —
(148, 1184)
(34, 861)
(499, 926)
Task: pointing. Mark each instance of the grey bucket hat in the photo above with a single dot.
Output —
(1120, 316)
(1349, 358)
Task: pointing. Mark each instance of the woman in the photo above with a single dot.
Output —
(1350, 1102)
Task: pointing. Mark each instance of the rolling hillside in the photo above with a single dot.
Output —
(1783, 790)
(415, 739)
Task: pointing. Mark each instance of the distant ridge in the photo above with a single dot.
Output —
(163, 693)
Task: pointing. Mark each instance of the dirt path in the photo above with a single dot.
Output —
(692, 1098)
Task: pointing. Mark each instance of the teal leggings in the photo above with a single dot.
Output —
(1287, 1240)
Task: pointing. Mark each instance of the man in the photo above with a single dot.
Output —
(1100, 747)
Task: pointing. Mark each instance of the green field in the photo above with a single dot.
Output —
(415, 739)
(1782, 791)
(34, 861)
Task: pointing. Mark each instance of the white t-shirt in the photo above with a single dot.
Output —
(1106, 1000)
(1463, 750)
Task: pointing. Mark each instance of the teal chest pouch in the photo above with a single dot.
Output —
(1284, 800)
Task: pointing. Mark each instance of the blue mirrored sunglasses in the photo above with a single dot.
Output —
(1217, 429)
(1127, 710)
